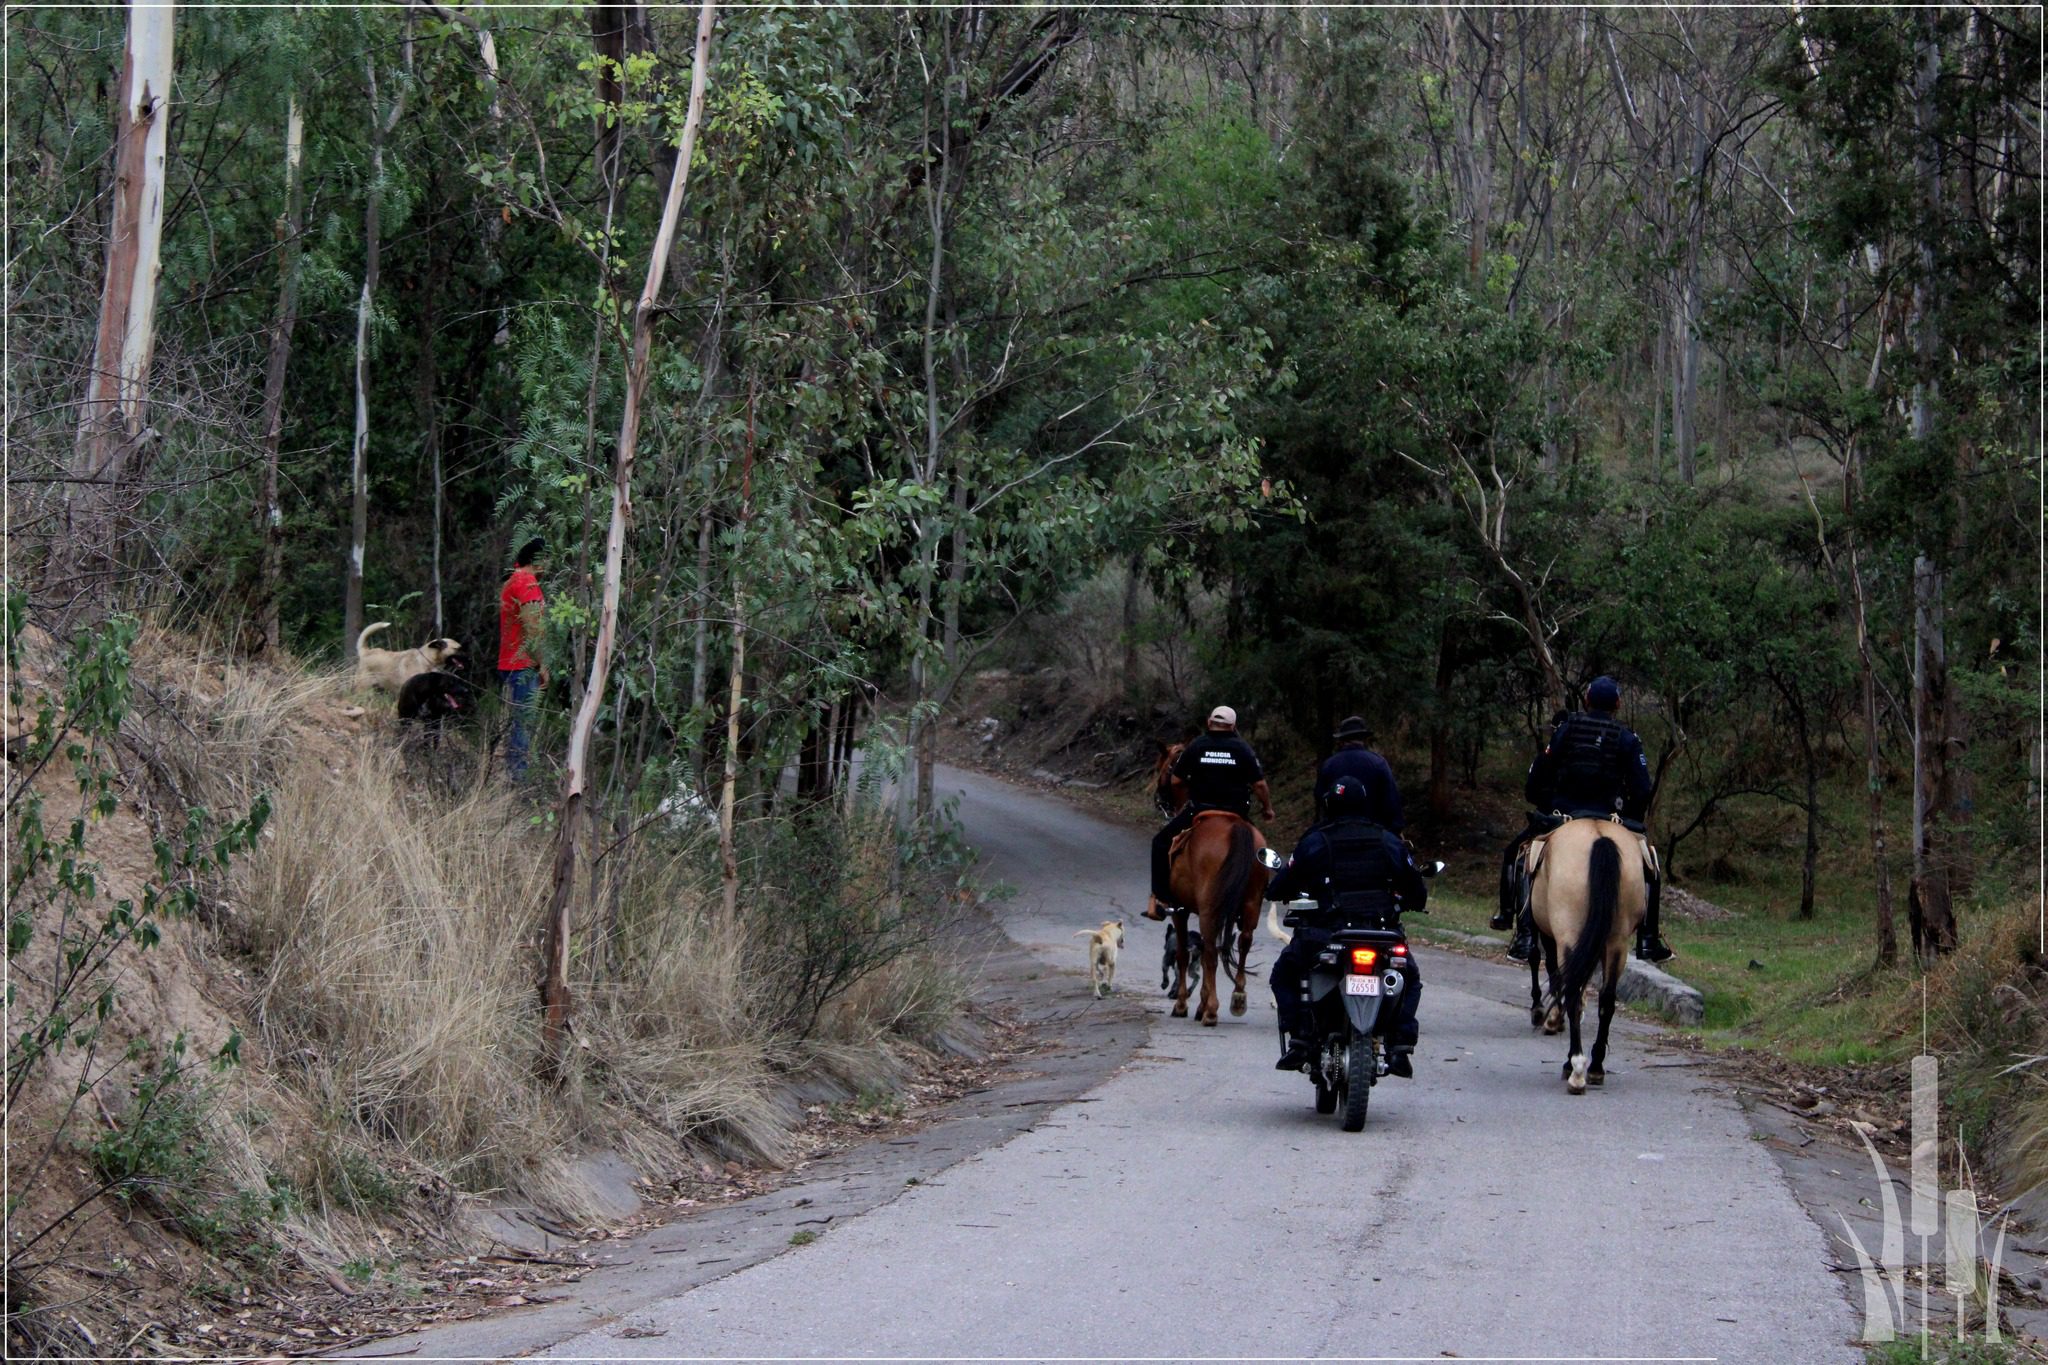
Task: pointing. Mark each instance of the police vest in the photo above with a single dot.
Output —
(1589, 761)
(1361, 868)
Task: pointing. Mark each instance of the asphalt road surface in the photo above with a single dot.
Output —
(1194, 1204)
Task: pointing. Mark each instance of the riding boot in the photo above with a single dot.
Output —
(1510, 881)
(1296, 1055)
(1154, 910)
(1650, 947)
(1524, 946)
(1398, 1063)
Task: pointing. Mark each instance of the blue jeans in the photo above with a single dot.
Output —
(522, 686)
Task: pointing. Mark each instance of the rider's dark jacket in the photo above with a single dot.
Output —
(1351, 865)
(1382, 796)
(1220, 770)
(1593, 765)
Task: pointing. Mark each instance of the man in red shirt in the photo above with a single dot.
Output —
(521, 624)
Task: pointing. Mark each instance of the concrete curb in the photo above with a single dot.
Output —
(1641, 983)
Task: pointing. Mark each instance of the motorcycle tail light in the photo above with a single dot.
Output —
(1399, 950)
(1364, 959)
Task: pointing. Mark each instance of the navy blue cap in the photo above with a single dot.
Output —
(1603, 693)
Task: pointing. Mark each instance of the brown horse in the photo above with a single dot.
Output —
(1588, 896)
(1216, 870)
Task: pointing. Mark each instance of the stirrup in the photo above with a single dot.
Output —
(1155, 909)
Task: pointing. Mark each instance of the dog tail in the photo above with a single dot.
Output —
(1273, 924)
(1084, 933)
(368, 631)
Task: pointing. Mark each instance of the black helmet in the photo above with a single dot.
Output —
(1347, 797)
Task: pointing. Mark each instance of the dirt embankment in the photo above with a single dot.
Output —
(309, 1109)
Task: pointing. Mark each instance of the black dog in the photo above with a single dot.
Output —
(428, 701)
(1166, 962)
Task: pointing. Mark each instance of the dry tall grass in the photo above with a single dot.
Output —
(394, 932)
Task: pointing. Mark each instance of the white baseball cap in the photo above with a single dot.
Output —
(1223, 718)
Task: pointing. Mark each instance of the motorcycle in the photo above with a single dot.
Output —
(1350, 989)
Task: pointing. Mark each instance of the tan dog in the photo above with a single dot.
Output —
(1102, 947)
(389, 668)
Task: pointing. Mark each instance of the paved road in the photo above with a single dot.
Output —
(1193, 1204)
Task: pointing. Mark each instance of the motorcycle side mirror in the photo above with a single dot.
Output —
(1271, 860)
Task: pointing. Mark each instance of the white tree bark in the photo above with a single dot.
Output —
(554, 985)
(114, 419)
(359, 448)
(270, 511)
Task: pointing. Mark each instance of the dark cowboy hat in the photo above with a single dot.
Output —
(1353, 727)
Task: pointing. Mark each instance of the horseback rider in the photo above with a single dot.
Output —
(1222, 773)
(1354, 759)
(1354, 868)
(1592, 767)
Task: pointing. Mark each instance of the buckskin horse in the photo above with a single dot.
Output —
(1216, 871)
(1588, 896)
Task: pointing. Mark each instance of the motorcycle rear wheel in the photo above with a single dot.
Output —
(1358, 1079)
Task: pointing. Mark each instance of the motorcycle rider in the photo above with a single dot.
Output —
(1593, 766)
(1354, 758)
(1353, 867)
(1222, 773)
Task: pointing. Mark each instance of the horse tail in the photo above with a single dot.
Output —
(1236, 872)
(1603, 894)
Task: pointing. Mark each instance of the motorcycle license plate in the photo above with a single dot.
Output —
(1361, 985)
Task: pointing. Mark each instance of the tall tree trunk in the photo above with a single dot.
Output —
(728, 790)
(1934, 926)
(700, 644)
(113, 427)
(1873, 758)
(359, 448)
(429, 403)
(554, 983)
(914, 795)
(270, 511)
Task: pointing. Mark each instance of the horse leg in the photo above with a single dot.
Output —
(1597, 1073)
(1535, 990)
(1553, 1019)
(1180, 965)
(1212, 930)
(1247, 925)
(1575, 1058)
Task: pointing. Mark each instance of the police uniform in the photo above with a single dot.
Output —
(1382, 794)
(1593, 766)
(1354, 869)
(1221, 770)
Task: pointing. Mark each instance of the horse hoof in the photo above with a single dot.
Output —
(1237, 1004)
(1552, 1026)
(1536, 1017)
(1208, 1021)
(1596, 1078)
(1574, 1087)
(1180, 1012)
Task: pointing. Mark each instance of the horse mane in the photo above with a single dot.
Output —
(1603, 895)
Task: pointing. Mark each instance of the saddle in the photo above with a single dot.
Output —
(1173, 849)
(1533, 859)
